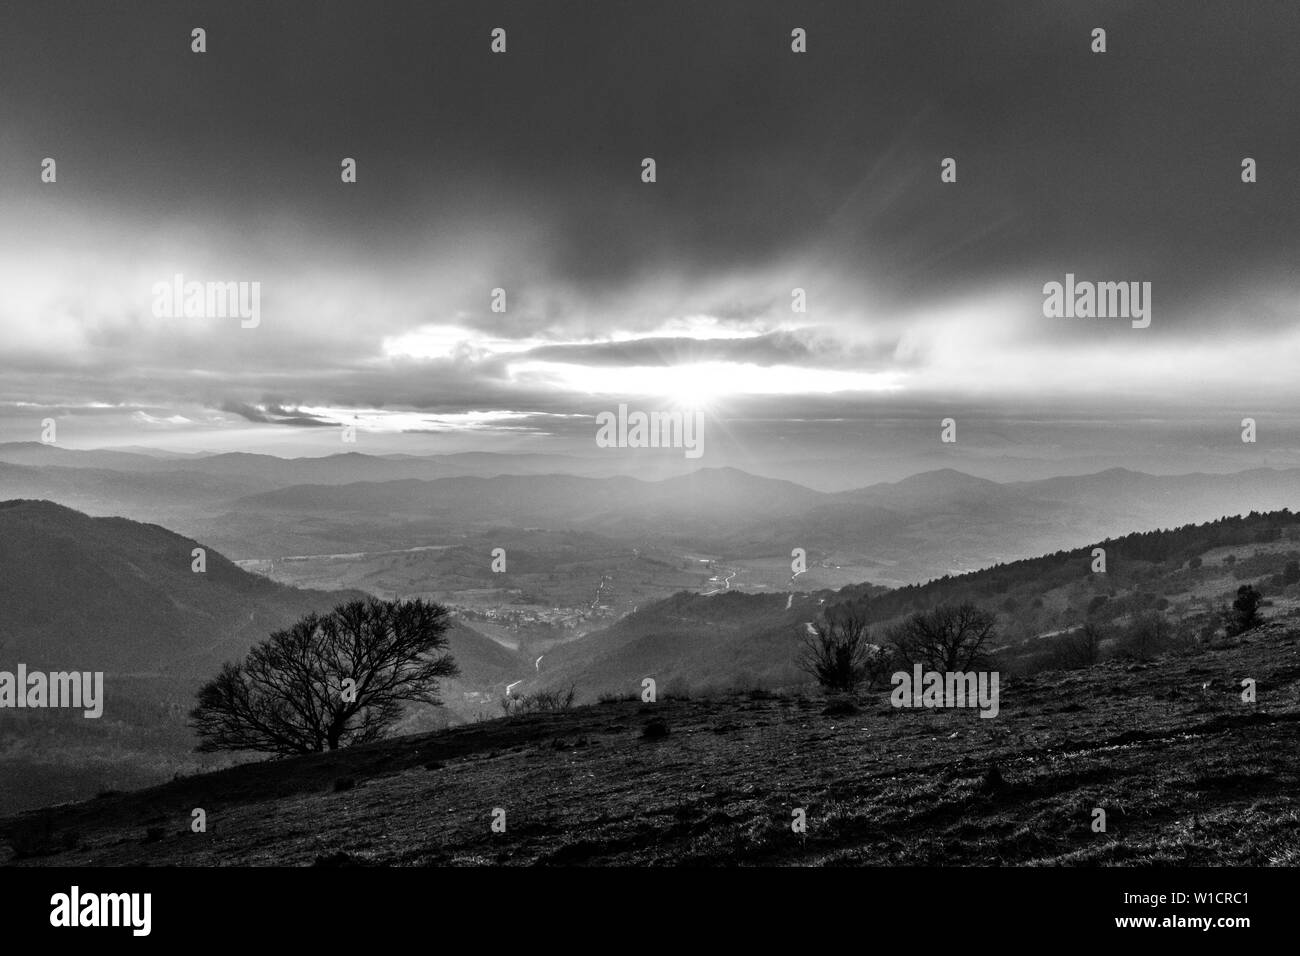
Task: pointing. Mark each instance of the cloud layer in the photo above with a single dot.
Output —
(776, 171)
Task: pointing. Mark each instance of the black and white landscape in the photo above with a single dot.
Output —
(691, 434)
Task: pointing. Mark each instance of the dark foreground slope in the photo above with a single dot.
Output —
(118, 596)
(1186, 772)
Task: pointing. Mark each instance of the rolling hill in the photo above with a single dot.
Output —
(922, 527)
(714, 496)
(119, 596)
(702, 643)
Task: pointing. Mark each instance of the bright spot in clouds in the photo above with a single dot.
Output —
(701, 382)
(464, 342)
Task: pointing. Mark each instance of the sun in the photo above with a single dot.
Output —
(701, 385)
(694, 387)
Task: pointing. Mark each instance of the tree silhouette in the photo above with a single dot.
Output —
(837, 652)
(328, 681)
(1245, 611)
(945, 638)
(1082, 648)
(1148, 634)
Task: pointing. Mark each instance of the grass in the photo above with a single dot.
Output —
(1186, 774)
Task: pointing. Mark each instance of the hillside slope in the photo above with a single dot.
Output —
(688, 642)
(693, 641)
(1187, 774)
(120, 596)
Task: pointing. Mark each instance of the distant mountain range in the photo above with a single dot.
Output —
(921, 527)
(273, 471)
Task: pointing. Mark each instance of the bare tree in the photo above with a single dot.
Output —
(837, 653)
(1082, 648)
(1147, 635)
(515, 705)
(945, 638)
(327, 681)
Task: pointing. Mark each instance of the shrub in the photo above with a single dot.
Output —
(838, 654)
(1245, 611)
(1148, 635)
(993, 782)
(1082, 648)
(544, 701)
(37, 837)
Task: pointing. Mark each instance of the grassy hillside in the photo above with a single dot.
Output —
(695, 642)
(118, 596)
(1186, 772)
(689, 642)
(1186, 575)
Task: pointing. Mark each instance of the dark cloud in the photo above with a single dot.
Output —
(775, 170)
(275, 415)
(770, 349)
(1119, 164)
(247, 412)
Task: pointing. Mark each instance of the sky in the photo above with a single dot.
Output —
(775, 171)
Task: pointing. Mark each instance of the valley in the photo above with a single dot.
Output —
(605, 580)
